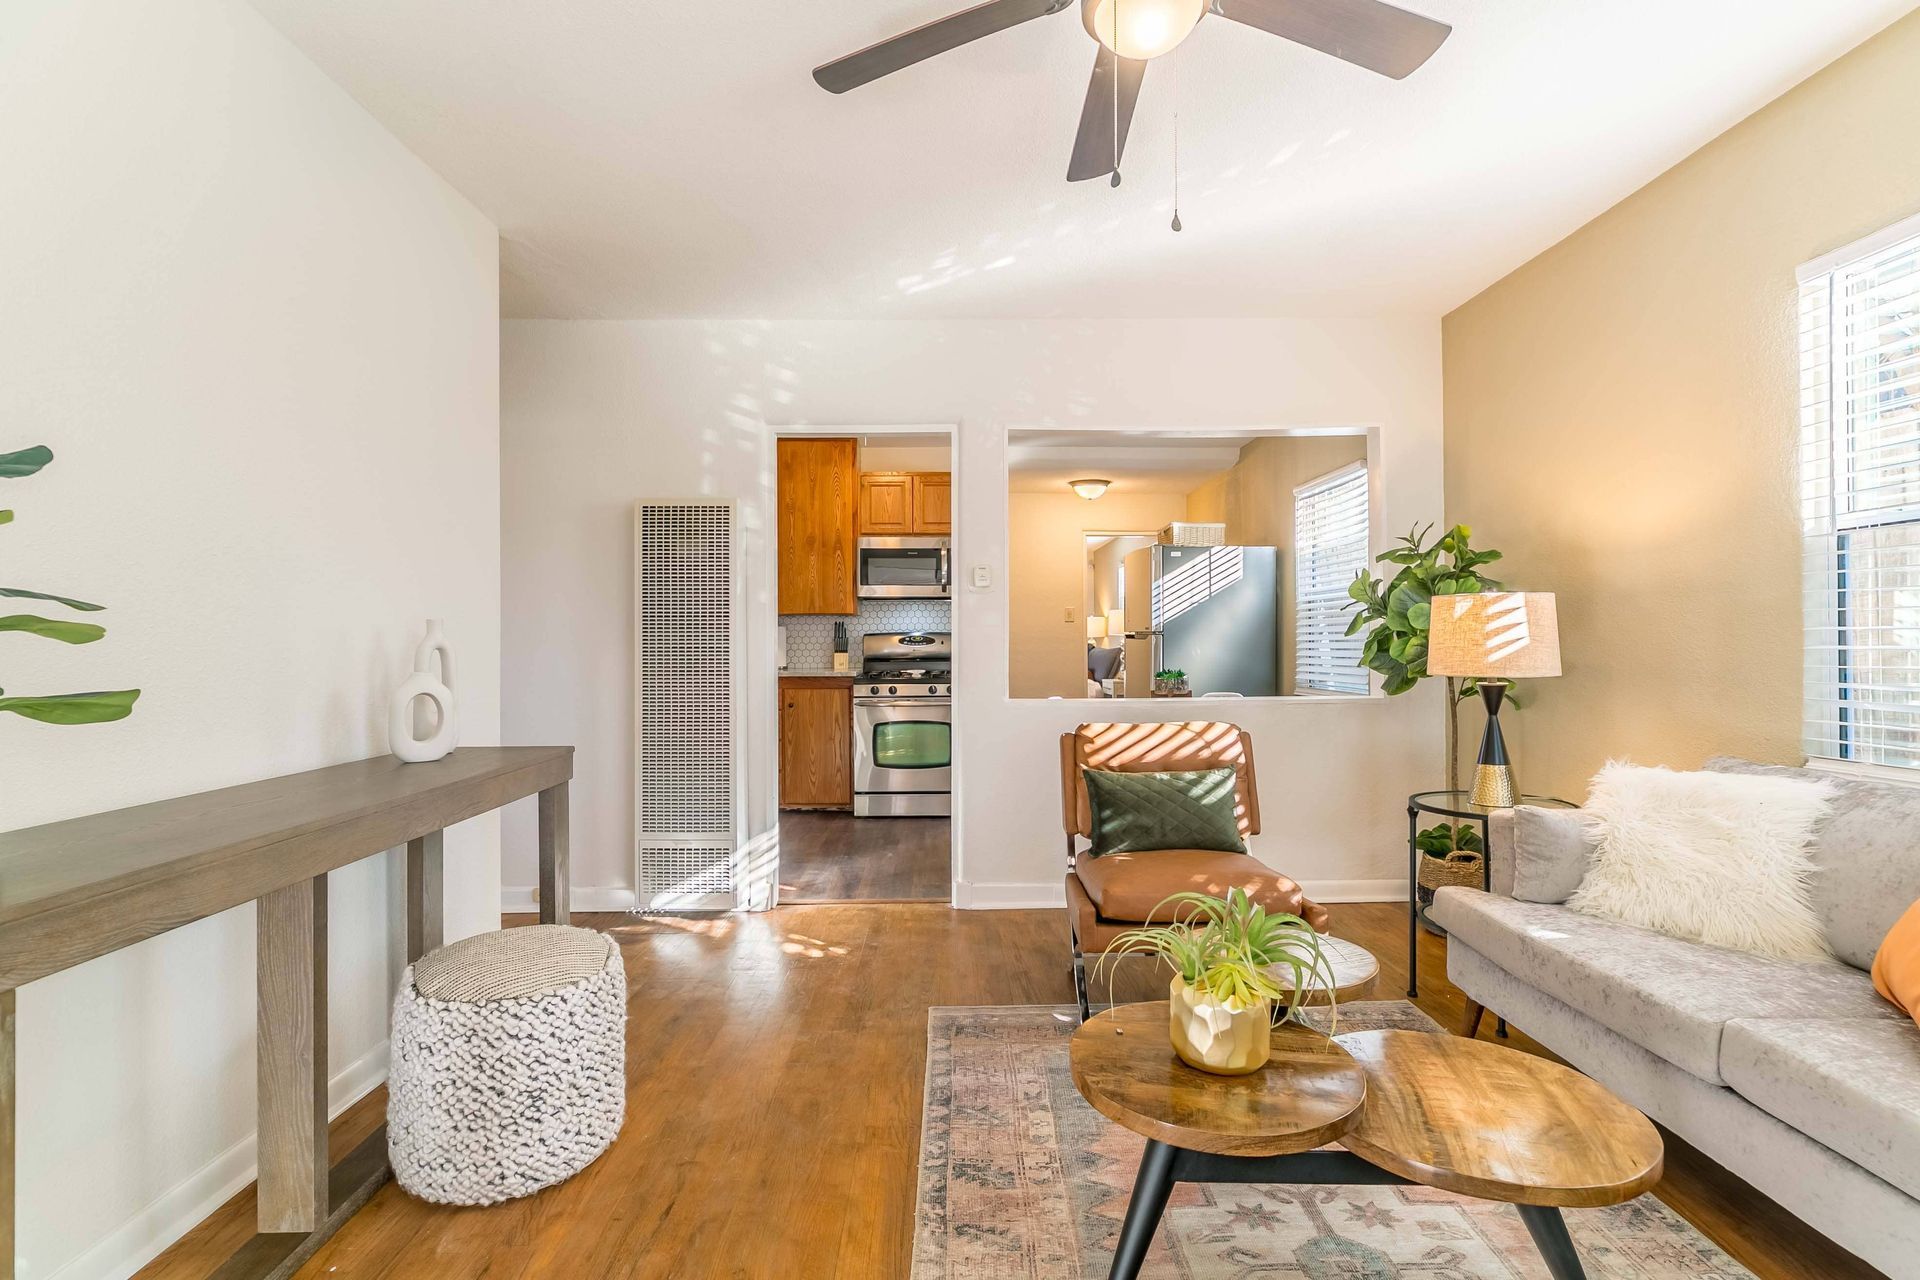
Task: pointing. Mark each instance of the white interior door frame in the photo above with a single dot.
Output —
(763, 614)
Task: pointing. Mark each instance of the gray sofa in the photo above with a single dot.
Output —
(1796, 1076)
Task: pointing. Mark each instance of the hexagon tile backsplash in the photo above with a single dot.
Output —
(810, 636)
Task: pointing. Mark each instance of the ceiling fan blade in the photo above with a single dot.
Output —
(1094, 151)
(1366, 33)
(935, 37)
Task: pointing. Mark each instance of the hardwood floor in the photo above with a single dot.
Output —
(836, 857)
(773, 1127)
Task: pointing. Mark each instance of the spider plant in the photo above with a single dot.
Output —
(1227, 948)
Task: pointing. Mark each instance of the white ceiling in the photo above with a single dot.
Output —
(1046, 462)
(645, 158)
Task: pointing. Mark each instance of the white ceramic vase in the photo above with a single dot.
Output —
(423, 683)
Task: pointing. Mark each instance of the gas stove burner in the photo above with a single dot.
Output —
(905, 673)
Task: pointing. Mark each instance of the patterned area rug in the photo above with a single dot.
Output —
(1021, 1180)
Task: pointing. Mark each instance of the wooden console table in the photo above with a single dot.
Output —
(72, 891)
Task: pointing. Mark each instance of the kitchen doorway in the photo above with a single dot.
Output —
(864, 542)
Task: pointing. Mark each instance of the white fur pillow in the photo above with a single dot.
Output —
(1719, 858)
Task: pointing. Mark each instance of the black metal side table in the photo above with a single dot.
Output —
(1450, 804)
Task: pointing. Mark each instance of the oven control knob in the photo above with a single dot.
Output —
(933, 690)
(873, 688)
(891, 689)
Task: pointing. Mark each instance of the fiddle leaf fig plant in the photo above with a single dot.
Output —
(1397, 613)
(55, 708)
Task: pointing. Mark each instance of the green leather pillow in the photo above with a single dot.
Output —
(1141, 812)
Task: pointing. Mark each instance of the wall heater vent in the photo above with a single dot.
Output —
(688, 805)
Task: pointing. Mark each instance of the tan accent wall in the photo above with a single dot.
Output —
(1047, 576)
(1622, 419)
(1255, 501)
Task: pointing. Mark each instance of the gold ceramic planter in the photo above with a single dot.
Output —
(1213, 1037)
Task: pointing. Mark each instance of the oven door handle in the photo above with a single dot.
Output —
(938, 704)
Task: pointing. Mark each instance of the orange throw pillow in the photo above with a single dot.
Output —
(1896, 965)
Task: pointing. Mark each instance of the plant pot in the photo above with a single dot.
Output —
(1212, 1037)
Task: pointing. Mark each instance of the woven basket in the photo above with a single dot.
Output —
(1459, 867)
(1186, 533)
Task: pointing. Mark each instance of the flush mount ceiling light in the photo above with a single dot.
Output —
(1089, 489)
(1129, 33)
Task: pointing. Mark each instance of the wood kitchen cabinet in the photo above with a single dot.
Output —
(816, 742)
(933, 503)
(894, 503)
(817, 487)
(886, 503)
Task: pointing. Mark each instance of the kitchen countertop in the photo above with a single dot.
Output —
(816, 673)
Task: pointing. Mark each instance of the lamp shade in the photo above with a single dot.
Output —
(1096, 626)
(1116, 622)
(1497, 635)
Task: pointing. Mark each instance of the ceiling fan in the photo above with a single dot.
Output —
(1366, 33)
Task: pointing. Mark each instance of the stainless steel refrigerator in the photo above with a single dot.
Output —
(1213, 612)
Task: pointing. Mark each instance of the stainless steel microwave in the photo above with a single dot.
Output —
(893, 568)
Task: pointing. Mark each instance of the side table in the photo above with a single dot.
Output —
(1457, 805)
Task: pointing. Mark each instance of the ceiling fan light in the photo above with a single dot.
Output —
(1145, 28)
(1089, 489)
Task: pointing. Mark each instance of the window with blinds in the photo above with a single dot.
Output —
(1860, 494)
(1330, 547)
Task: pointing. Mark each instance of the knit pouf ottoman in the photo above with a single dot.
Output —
(509, 1063)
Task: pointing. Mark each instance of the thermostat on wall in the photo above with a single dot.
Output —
(982, 577)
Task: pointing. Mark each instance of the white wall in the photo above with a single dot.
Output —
(262, 342)
(597, 414)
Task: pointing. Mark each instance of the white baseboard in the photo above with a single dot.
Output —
(521, 899)
(176, 1211)
(1355, 890)
(1014, 896)
(1004, 896)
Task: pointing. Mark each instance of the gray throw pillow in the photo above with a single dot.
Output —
(1539, 855)
(1142, 812)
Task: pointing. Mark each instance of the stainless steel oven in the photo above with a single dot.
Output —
(903, 726)
(905, 567)
(902, 757)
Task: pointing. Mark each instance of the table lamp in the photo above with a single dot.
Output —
(1116, 623)
(1496, 637)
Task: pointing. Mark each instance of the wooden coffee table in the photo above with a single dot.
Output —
(1409, 1107)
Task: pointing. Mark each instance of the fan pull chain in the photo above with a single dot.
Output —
(1116, 95)
(1176, 171)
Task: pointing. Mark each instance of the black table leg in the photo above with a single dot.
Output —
(1549, 1231)
(1150, 1191)
(1413, 905)
(1161, 1166)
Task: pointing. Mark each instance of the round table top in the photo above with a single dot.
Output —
(1459, 804)
(1496, 1123)
(1308, 1095)
(1354, 971)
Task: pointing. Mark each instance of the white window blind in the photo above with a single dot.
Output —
(1860, 494)
(1330, 547)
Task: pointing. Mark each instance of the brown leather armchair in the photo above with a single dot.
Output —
(1107, 896)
